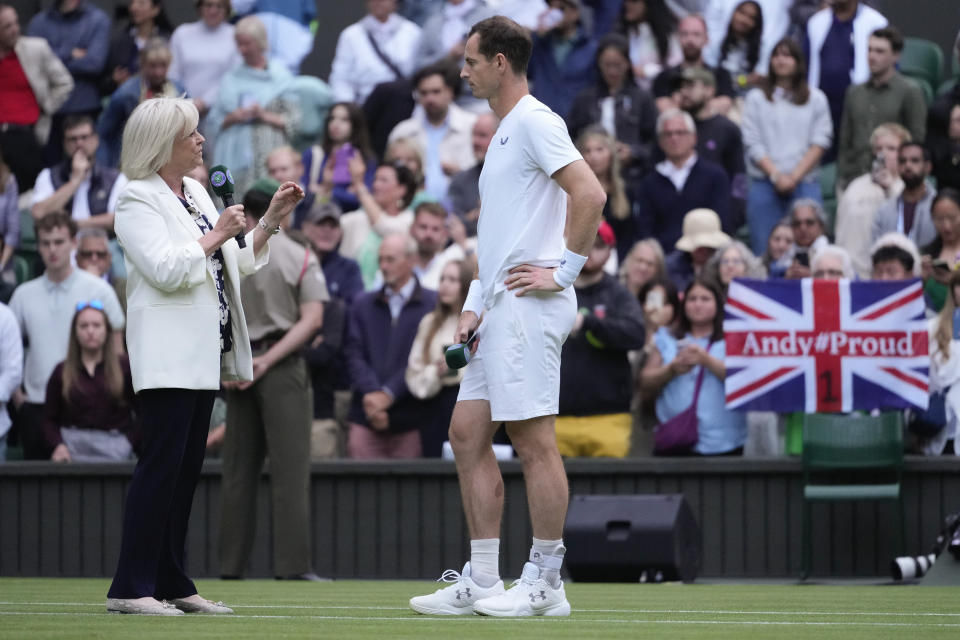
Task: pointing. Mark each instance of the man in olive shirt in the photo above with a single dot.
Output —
(272, 415)
(886, 97)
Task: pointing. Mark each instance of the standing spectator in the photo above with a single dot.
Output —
(463, 194)
(11, 370)
(328, 165)
(894, 257)
(271, 416)
(652, 31)
(946, 154)
(644, 263)
(379, 48)
(864, 196)
(835, 45)
(79, 34)
(737, 41)
(322, 229)
(701, 238)
(809, 223)
(94, 256)
(680, 183)
(886, 97)
(940, 257)
(9, 209)
(145, 20)
(909, 213)
(617, 104)
(786, 129)
(777, 256)
(150, 82)
(439, 126)
(599, 150)
(35, 85)
(203, 52)
(940, 110)
(692, 34)
(670, 373)
(445, 30)
(734, 260)
(44, 307)
(389, 104)
(595, 377)
(562, 60)
(427, 376)
(384, 417)
(79, 184)
(89, 412)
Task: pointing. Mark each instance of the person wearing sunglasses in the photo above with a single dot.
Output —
(94, 256)
(809, 223)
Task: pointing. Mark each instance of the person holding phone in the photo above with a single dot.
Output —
(910, 212)
(327, 165)
(940, 257)
(809, 223)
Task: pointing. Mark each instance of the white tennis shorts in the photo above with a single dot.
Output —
(517, 364)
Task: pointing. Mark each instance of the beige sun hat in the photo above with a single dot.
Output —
(701, 228)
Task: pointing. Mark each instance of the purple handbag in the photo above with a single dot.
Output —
(678, 435)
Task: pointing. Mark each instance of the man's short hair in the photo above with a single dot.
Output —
(432, 208)
(927, 156)
(447, 71)
(502, 35)
(890, 253)
(256, 203)
(54, 220)
(812, 204)
(72, 122)
(891, 35)
(893, 245)
(673, 114)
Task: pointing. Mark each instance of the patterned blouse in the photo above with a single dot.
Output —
(215, 268)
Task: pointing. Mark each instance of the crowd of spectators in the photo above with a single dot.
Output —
(734, 139)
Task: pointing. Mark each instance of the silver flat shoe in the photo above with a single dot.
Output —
(142, 606)
(203, 606)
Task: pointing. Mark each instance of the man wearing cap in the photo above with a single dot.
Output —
(271, 415)
(322, 228)
(702, 236)
(595, 374)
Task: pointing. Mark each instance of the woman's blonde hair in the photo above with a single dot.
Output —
(619, 204)
(253, 26)
(150, 132)
(945, 320)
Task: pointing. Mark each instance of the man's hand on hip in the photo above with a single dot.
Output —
(527, 278)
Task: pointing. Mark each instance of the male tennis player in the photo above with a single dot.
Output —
(534, 184)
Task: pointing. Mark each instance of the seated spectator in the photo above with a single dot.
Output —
(39, 306)
(427, 376)
(941, 256)
(384, 210)
(36, 84)
(409, 153)
(809, 223)
(944, 374)
(894, 257)
(595, 375)
(463, 194)
(740, 43)
(734, 260)
(618, 105)
(682, 182)
(673, 365)
(150, 82)
(778, 255)
(644, 263)
(445, 28)
(786, 129)
(79, 33)
(860, 201)
(11, 370)
(651, 29)
(93, 256)
(692, 35)
(322, 228)
(946, 155)
(9, 209)
(328, 165)
(384, 417)
(440, 127)
(562, 60)
(909, 213)
(79, 184)
(379, 48)
(204, 52)
(832, 263)
(90, 405)
(599, 149)
(429, 230)
(144, 20)
(701, 238)
(284, 164)
(248, 120)
(887, 96)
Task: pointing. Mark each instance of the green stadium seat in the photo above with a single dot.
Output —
(947, 86)
(925, 86)
(28, 233)
(828, 188)
(867, 450)
(922, 58)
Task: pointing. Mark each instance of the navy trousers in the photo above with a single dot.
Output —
(175, 423)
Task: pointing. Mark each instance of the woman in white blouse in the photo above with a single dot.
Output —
(203, 52)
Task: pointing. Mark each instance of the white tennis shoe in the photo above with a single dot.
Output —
(531, 595)
(456, 599)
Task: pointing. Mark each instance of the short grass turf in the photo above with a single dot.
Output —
(39, 608)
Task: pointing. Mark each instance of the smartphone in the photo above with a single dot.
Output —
(803, 259)
(341, 167)
(941, 264)
(879, 163)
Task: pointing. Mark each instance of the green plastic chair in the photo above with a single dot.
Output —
(923, 58)
(925, 86)
(856, 446)
(28, 233)
(828, 191)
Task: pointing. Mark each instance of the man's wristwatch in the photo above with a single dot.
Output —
(263, 225)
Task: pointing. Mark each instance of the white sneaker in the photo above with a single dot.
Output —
(456, 599)
(531, 595)
(142, 606)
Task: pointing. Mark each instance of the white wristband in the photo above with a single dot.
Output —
(474, 301)
(569, 268)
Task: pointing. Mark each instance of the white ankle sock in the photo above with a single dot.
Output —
(485, 561)
(548, 555)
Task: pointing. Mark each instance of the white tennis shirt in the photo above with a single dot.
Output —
(522, 210)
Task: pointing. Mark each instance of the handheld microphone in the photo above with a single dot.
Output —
(458, 355)
(222, 182)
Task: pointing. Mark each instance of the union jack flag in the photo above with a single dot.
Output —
(825, 345)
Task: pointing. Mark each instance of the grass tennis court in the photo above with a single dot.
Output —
(41, 608)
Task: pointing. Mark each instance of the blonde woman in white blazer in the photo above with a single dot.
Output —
(185, 333)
